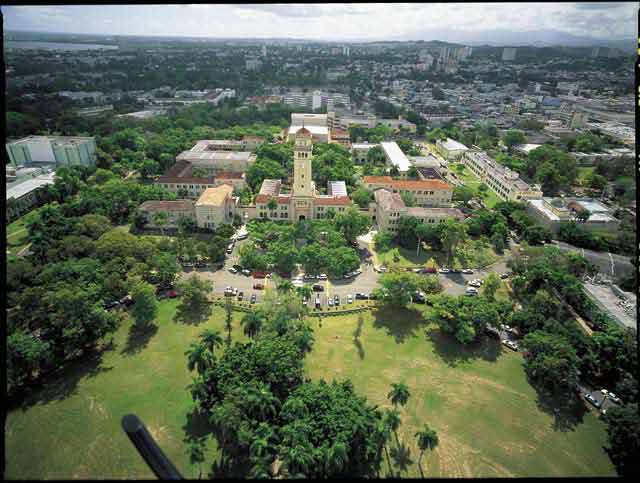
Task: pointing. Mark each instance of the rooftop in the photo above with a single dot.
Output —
(389, 201)
(215, 196)
(337, 188)
(54, 140)
(331, 200)
(420, 212)
(395, 156)
(177, 205)
(453, 145)
(18, 190)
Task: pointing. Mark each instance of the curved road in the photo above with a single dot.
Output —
(610, 264)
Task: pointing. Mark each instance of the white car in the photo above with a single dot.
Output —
(604, 391)
(467, 271)
(322, 276)
(444, 270)
(233, 270)
(614, 398)
(349, 299)
(357, 271)
(380, 269)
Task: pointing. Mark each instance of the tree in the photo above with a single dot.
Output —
(453, 233)
(383, 240)
(491, 285)
(252, 323)
(408, 197)
(583, 215)
(272, 204)
(149, 168)
(399, 394)
(623, 438)
(412, 173)
(145, 304)
(362, 197)
(160, 219)
(194, 302)
(427, 440)
(398, 288)
(422, 231)
(198, 358)
(596, 181)
(352, 223)
(513, 138)
(211, 340)
(462, 193)
(284, 286)
(552, 361)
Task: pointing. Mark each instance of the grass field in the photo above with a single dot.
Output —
(488, 417)
(72, 427)
(471, 181)
(16, 236)
(472, 253)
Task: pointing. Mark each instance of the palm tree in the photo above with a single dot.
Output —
(427, 440)
(199, 358)
(304, 292)
(229, 319)
(336, 458)
(284, 286)
(298, 459)
(263, 404)
(392, 420)
(261, 445)
(252, 323)
(211, 339)
(399, 394)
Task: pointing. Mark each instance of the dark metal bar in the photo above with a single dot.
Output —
(148, 449)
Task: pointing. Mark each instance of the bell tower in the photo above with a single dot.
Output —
(303, 184)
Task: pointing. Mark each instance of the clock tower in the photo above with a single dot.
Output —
(303, 185)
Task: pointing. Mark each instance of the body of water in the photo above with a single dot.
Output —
(29, 44)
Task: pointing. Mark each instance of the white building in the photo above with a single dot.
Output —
(53, 150)
(503, 182)
(450, 149)
(395, 157)
(551, 212)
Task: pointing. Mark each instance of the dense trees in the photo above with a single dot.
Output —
(512, 138)
(145, 305)
(554, 169)
(352, 224)
(623, 438)
(399, 288)
(362, 197)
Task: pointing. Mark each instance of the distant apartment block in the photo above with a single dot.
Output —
(52, 150)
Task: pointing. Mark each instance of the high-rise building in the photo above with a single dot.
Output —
(509, 53)
(316, 102)
(264, 51)
(345, 51)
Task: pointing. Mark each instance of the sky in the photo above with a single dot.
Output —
(341, 22)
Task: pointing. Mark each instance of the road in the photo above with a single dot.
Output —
(610, 264)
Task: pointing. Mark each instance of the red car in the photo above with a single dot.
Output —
(172, 294)
(259, 275)
(258, 286)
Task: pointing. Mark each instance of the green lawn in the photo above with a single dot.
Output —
(16, 236)
(478, 400)
(584, 173)
(470, 180)
(72, 429)
(486, 413)
(472, 253)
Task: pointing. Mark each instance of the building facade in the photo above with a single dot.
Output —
(505, 183)
(52, 150)
(428, 192)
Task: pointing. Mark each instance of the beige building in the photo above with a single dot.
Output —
(504, 182)
(303, 203)
(215, 207)
(205, 156)
(428, 192)
(182, 180)
(174, 210)
(359, 151)
(552, 212)
(389, 208)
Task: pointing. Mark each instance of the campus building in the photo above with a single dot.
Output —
(505, 183)
(395, 157)
(205, 156)
(315, 124)
(427, 192)
(215, 207)
(52, 150)
(389, 208)
(182, 180)
(303, 202)
(551, 212)
(359, 151)
(450, 149)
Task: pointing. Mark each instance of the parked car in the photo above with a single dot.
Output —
(419, 297)
(309, 277)
(380, 269)
(253, 298)
(504, 276)
(317, 301)
(244, 236)
(456, 270)
(246, 272)
(228, 292)
(233, 270)
(336, 299)
(258, 286)
(330, 302)
(614, 398)
(259, 275)
(229, 248)
(112, 305)
(510, 344)
(172, 294)
(240, 296)
(349, 299)
(322, 276)
(348, 275)
(492, 332)
(471, 291)
(592, 400)
(126, 300)
(318, 288)
(356, 272)
(361, 296)
(444, 270)
(467, 271)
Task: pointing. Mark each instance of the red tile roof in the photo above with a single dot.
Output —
(409, 184)
(229, 175)
(378, 179)
(332, 200)
(282, 199)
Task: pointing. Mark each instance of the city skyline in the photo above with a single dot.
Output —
(474, 23)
